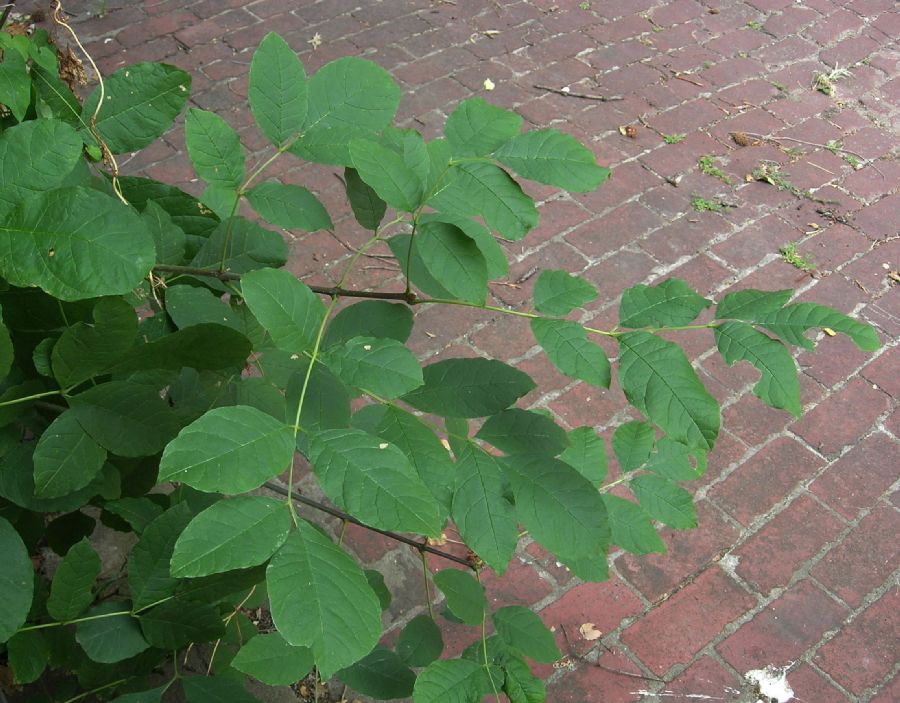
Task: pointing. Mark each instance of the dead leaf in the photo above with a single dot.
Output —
(830, 332)
(589, 632)
(438, 541)
(894, 276)
(741, 139)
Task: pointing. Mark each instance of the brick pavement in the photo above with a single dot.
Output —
(794, 562)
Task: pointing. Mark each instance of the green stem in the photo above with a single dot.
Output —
(26, 398)
(44, 626)
(427, 587)
(487, 666)
(80, 696)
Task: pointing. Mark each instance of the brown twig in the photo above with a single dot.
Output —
(680, 76)
(340, 514)
(331, 291)
(584, 96)
(776, 140)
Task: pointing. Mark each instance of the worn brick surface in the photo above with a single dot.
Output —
(684, 67)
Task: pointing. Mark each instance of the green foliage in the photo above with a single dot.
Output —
(159, 365)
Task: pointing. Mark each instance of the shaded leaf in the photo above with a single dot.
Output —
(420, 642)
(463, 594)
(631, 527)
(71, 590)
(110, 639)
(369, 318)
(517, 431)
(368, 208)
(586, 453)
(166, 627)
(381, 674)
(665, 501)
(387, 174)
(632, 443)
(149, 579)
(16, 581)
(66, 458)
(270, 659)
(453, 259)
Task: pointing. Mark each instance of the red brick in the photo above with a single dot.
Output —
(688, 553)
(603, 604)
(520, 585)
(890, 693)
(879, 220)
(618, 272)
(783, 630)
(589, 682)
(750, 245)
(864, 559)
(614, 229)
(864, 652)
(785, 543)
(682, 625)
(856, 480)
(883, 372)
(704, 679)
(685, 236)
(843, 417)
(810, 685)
(767, 477)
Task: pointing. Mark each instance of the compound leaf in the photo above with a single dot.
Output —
(277, 89)
(336, 614)
(231, 534)
(232, 449)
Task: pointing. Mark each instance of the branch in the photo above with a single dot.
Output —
(331, 291)
(584, 96)
(340, 514)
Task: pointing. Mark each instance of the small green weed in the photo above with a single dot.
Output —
(585, 5)
(707, 166)
(854, 161)
(791, 256)
(824, 82)
(706, 205)
(673, 138)
(834, 146)
(755, 25)
(780, 87)
(771, 173)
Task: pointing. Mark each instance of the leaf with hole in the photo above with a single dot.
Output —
(336, 614)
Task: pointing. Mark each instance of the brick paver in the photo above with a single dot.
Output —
(795, 560)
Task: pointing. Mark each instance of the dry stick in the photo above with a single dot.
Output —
(340, 514)
(322, 290)
(583, 96)
(775, 140)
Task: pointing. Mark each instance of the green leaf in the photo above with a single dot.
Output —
(521, 628)
(410, 262)
(369, 318)
(16, 581)
(185, 210)
(552, 157)
(289, 206)
(659, 381)
(149, 579)
(664, 501)
(420, 642)
(71, 590)
(110, 639)
(330, 145)
(336, 613)
(593, 568)
(374, 481)
(75, 243)
(410, 145)
(270, 659)
(368, 208)
(221, 587)
(215, 689)
(566, 345)
(28, 654)
(126, 418)
(246, 247)
(35, 156)
(586, 454)
(557, 505)
(232, 450)
(381, 674)
(214, 148)
(351, 92)
(53, 98)
(453, 259)
(486, 190)
(384, 366)
(17, 484)
(7, 353)
(673, 302)
(463, 594)
(188, 306)
(632, 443)
(154, 695)
(557, 292)
(517, 431)
(677, 462)
(169, 238)
(206, 346)
(469, 388)
(778, 385)
(750, 304)
(493, 253)
(520, 684)
(387, 174)
(66, 458)
(377, 584)
(631, 527)
(477, 128)
(327, 402)
(277, 89)
(451, 681)
(15, 85)
(141, 102)
(137, 512)
(167, 626)
(485, 519)
(231, 534)
(417, 441)
(221, 199)
(792, 321)
(285, 307)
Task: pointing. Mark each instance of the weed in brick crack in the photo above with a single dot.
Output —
(707, 165)
(706, 205)
(755, 25)
(834, 146)
(854, 162)
(790, 255)
(824, 82)
(771, 173)
(673, 138)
